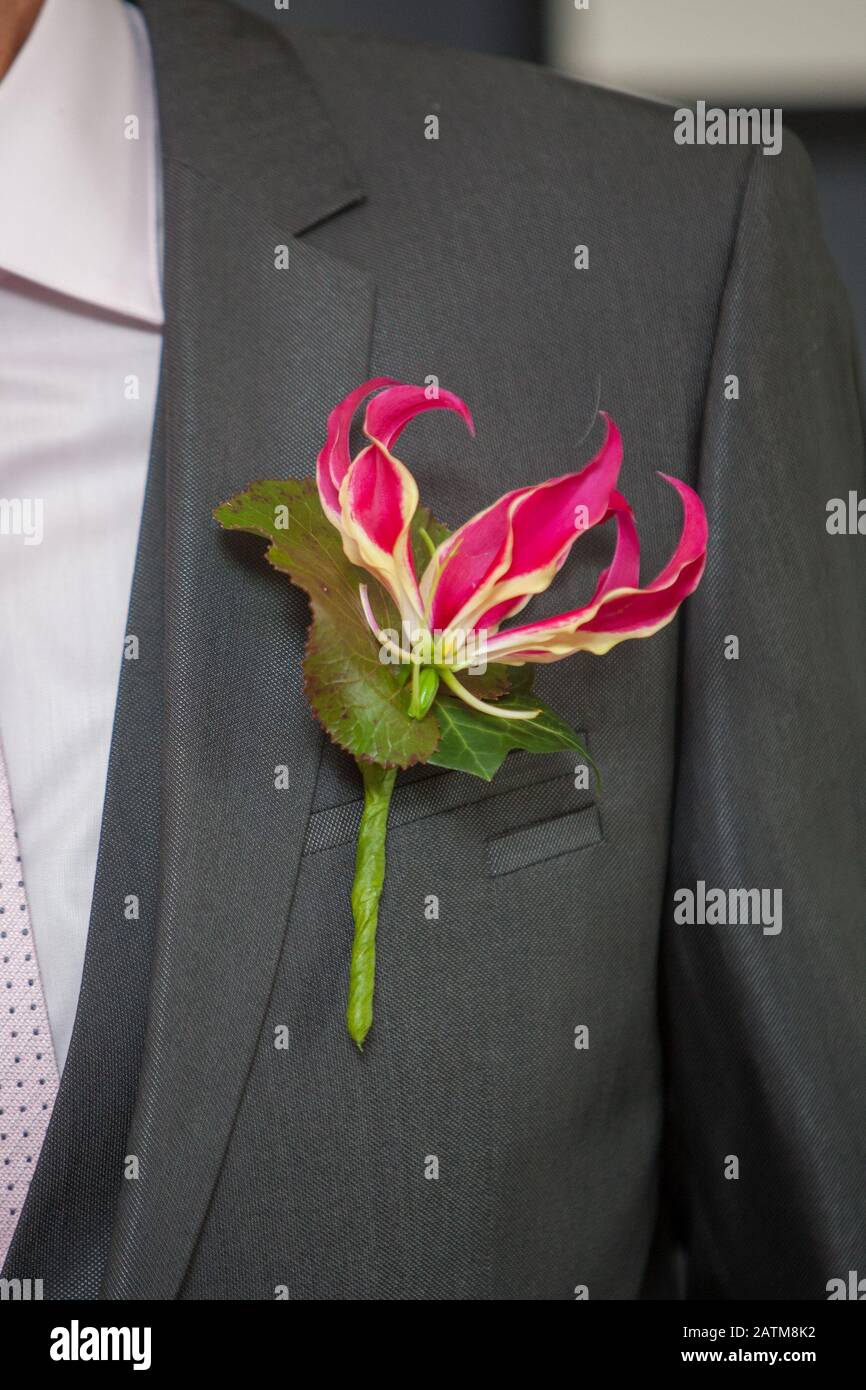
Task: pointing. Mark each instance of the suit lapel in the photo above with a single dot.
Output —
(254, 358)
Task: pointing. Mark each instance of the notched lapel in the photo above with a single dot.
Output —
(254, 359)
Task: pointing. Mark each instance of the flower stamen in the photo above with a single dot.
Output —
(448, 678)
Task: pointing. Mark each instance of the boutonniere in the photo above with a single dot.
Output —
(407, 658)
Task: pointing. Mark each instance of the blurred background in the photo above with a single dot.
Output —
(806, 56)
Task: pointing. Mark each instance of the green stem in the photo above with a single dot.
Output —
(366, 891)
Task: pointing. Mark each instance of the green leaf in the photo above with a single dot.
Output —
(520, 679)
(494, 682)
(362, 704)
(479, 743)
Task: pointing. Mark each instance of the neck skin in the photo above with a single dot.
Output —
(17, 18)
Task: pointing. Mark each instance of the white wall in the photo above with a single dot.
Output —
(777, 52)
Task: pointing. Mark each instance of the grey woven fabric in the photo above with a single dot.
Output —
(65, 1227)
(542, 840)
(531, 1114)
(416, 797)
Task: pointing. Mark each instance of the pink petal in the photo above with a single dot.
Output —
(376, 495)
(658, 602)
(515, 548)
(389, 413)
(623, 572)
(647, 608)
(618, 609)
(490, 621)
(466, 559)
(328, 494)
(334, 458)
(378, 498)
(693, 539)
(546, 523)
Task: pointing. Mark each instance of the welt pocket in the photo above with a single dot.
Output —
(528, 791)
(543, 840)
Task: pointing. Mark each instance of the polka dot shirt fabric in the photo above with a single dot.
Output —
(28, 1071)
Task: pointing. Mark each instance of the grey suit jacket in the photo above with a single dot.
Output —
(189, 1156)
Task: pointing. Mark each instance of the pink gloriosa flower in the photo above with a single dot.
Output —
(489, 569)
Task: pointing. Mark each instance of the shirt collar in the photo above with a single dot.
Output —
(80, 196)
